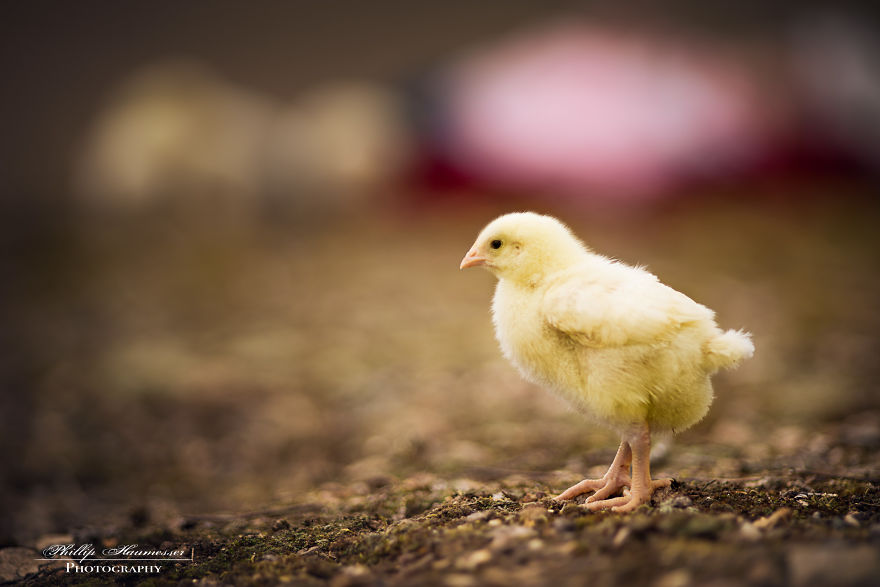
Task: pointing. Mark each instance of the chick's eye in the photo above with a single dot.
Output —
(495, 244)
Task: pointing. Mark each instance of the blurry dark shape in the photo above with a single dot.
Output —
(176, 131)
(836, 71)
(586, 110)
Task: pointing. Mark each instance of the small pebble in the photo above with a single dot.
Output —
(680, 501)
(773, 519)
(749, 532)
(621, 537)
(570, 508)
(506, 537)
(479, 516)
(460, 580)
(677, 578)
(534, 514)
(474, 559)
(564, 525)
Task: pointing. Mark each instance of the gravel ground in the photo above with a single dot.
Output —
(323, 403)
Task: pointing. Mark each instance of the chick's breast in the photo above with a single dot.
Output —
(542, 355)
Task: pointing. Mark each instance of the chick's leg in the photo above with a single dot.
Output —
(642, 486)
(616, 477)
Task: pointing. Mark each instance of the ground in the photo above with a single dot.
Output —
(794, 530)
(323, 403)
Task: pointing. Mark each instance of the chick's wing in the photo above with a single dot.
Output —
(624, 307)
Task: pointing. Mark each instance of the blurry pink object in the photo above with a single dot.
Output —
(576, 109)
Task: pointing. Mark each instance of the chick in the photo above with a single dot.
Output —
(625, 349)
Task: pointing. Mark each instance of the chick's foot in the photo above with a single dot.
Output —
(631, 498)
(612, 482)
(638, 438)
(604, 485)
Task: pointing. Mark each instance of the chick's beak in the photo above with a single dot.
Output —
(472, 259)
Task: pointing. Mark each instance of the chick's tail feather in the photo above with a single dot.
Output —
(728, 349)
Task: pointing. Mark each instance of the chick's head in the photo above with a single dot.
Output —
(524, 247)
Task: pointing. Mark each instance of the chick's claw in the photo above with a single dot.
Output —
(580, 488)
(633, 499)
(615, 504)
(660, 484)
(605, 490)
(630, 499)
(604, 487)
(613, 485)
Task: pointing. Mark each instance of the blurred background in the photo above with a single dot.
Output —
(231, 233)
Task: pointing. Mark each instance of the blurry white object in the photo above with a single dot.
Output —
(177, 131)
(341, 138)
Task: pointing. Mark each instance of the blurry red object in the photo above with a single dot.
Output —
(574, 109)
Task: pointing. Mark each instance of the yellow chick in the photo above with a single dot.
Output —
(622, 347)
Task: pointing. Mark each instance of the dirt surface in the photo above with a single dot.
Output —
(799, 529)
(325, 404)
